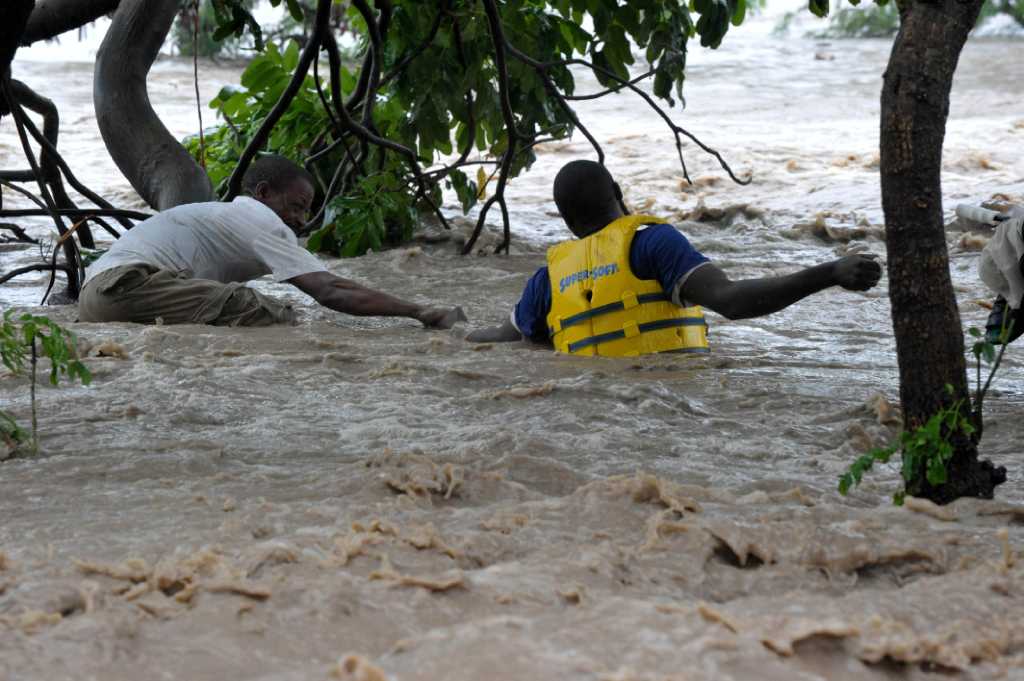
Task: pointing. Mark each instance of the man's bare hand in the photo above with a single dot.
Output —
(857, 272)
(441, 317)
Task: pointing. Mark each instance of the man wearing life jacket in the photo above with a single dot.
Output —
(632, 284)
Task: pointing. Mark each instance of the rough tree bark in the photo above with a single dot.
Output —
(156, 165)
(926, 321)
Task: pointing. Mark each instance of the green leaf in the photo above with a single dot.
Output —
(819, 8)
(739, 13)
(290, 59)
(465, 190)
(228, 29)
(936, 473)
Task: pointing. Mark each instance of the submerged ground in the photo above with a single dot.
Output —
(362, 499)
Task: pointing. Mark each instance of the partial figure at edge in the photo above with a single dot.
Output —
(1001, 268)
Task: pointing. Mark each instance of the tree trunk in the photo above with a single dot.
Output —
(156, 165)
(926, 321)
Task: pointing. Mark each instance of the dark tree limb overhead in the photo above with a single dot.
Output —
(153, 161)
(50, 18)
(16, 15)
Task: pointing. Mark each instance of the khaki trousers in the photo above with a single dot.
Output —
(147, 295)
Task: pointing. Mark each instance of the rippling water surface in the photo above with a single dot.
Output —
(355, 495)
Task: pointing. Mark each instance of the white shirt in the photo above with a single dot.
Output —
(999, 266)
(225, 242)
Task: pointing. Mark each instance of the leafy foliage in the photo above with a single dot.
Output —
(234, 18)
(19, 337)
(11, 434)
(183, 31)
(57, 344)
(882, 19)
(244, 108)
(439, 96)
(928, 448)
(866, 21)
(377, 214)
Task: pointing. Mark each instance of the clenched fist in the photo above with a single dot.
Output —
(857, 272)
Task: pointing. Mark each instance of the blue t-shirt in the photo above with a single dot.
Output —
(658, 252)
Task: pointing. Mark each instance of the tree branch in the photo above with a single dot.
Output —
(40, 267)
(610, 91)
(498, 39)
(26, 193)
(20, 236)
(677, 131)
(51, 162)
(397, 69)
(75, 212)
(50, 149)
(50, 18)
(157, 166)
(19, 119)
(309, 52)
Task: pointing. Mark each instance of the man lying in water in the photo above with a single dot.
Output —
(186, 264)
(632, 284)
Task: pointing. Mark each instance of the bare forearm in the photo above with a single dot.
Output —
(757, 297)
(345, 295)
(496, 334)
(364, 302)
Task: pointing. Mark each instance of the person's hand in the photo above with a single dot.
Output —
(441, 317)
(858, 272)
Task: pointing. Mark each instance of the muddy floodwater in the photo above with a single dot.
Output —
(364, 499)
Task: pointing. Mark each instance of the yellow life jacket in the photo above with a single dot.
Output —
(599, 307)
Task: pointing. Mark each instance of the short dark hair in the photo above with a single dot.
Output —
(585, 194)
(277, 171)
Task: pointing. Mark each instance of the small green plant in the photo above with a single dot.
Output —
(930, 446)
(12, 435)
(22, 340)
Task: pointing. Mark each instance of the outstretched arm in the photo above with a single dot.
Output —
(345, 295)
(709, 286)
(505, 333)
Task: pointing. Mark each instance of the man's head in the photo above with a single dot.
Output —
(283, 186)
(587, 197)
